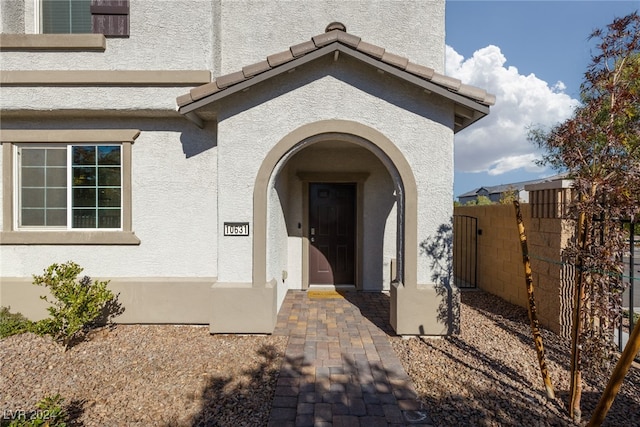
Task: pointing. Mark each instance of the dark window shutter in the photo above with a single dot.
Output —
(110, 17)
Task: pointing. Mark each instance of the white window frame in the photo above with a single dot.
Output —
(37, 18)
(11, 235)
(69, 189)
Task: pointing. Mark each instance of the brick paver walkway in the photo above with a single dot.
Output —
(339, 368)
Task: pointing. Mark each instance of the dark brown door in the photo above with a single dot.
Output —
(332, 234)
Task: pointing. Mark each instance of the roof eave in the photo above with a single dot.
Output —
(469, 109)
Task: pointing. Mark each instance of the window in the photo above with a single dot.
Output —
(66, 16)
(67, 187)
(108, 17)
(77, 186)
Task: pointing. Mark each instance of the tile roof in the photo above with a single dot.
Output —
(335, 35)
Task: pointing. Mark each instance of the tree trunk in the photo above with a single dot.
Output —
(621, 369)
(576, 369)
(533, 315)
(582, 238)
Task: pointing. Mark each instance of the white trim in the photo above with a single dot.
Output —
(17, 206)
(37, 17)
(17, 214)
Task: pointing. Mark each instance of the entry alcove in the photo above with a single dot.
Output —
(370, 219)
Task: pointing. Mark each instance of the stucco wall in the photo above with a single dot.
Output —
(12, 16)
(90, 101)
(224, 36)
(164, 35)
(174, 207)
(255, 121)
(251, 30)
(277, 239)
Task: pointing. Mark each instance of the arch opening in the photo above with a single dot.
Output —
(272, 193)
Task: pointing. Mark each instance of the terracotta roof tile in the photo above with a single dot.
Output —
(302, 48)
(371, 49)
(489, 99)
(184, 99)
(204, 90)
(472, 91)
(420, 70)
(326, 38)
(446, 81)
(395, 60)
(335, 34)
(280, 58)
(348, 39)
(230, 79)
(253, 69)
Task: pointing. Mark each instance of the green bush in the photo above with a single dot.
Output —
(76, 305)
(49, 413)
(13, 323)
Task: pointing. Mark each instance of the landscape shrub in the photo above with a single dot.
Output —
(76, 306)
(13, 323)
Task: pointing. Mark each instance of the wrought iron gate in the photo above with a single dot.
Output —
(465, 251)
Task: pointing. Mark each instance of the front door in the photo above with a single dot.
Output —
(332, 234)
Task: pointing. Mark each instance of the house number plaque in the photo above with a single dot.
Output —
(236, 228)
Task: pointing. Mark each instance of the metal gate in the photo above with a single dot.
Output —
(465, 251)
(631, 277)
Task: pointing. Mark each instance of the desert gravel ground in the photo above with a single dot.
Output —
(159, 375)
(163, 375)
(488, 375)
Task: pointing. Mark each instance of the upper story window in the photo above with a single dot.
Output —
(66, 16)
(108, 17)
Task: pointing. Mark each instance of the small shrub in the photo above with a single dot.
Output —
(13, 323)
(49, 413)
(76, 305)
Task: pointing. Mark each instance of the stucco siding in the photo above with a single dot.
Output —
(273, 26)
(164, 35)
(354, 120)
(277, 241)
(12, 16)
(90, 100)
(174, 208)
(254, 122)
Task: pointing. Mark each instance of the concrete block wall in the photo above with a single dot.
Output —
(500, 270)
(553, 281)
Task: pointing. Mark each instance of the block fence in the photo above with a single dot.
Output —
(500, 270)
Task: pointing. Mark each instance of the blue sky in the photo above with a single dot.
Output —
(532, 55)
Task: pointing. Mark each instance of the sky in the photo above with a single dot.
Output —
(532, 55)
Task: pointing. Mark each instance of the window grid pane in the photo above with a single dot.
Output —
(41, 189)
(97, 189)
(66, 16)
(88, 194)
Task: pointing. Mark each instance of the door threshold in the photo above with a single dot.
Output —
(345, 288)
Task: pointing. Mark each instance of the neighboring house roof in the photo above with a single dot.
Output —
(471, 103)
(503, 188)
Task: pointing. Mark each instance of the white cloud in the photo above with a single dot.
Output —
(509, 163)
(498, 143)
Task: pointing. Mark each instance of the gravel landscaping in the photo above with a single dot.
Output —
(163, 375)
(489, 374)
(159, 375)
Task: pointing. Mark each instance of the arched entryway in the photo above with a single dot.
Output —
(321, 135)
